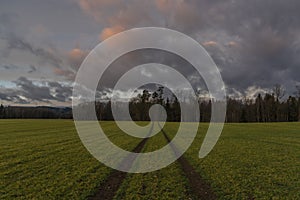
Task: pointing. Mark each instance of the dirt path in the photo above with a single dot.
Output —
(109, 188)
(200, 188)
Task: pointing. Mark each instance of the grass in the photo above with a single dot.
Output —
(260, 161)
(44, 159)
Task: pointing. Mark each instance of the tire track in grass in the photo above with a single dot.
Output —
(114, 180)
(200, 188)
(167, 183)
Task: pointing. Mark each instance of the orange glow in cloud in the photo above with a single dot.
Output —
(163, 5)
(76, 56)
(210, 44)
(232, 44)
(61, 72)
(107, 32)
(76, 53)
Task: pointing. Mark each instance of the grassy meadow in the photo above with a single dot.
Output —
(44, 159)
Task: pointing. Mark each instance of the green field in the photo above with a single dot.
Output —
(44, 159)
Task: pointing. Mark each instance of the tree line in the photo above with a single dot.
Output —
(40, 112)
(269, 107)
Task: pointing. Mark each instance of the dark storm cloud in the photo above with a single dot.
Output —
(32, 69)
(9, 67)
(12, 96)
(62, 93)
(268, 42)
(139, 57)
(32, 91)
(17, 43)
(13, 42)
(254, 43)
(29, 69)
(28, 91)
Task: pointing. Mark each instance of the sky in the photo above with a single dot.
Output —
(255, 44)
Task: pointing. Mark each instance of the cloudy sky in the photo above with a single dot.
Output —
(255, 44)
